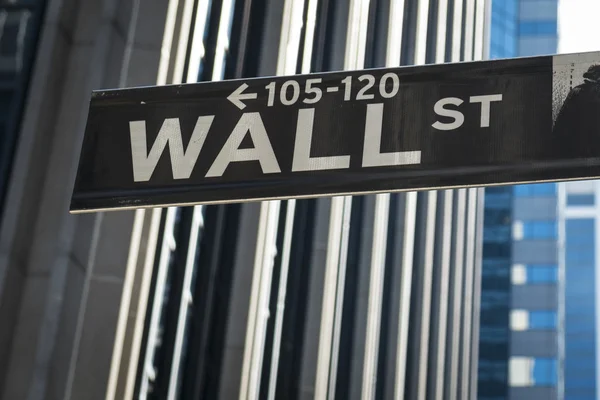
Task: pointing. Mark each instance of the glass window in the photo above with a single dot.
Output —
(542, 320)
(540, 230)
(498, 201)
(492, 298)
(580, 223)
(500, 216)
(545, 372)
(580, 380)
(497, 216)
(494, 249)
(575, 345)
(537, 28)
(493, 263)
(580, 257)
(585, 317)
(580, 364)
(497, 233)
(576, 239)
(496, 273)
(581, 373)
(490, 370)
(580, 395)
(580, 199)
(494, 334)
(538, 189)
(541, 274)
(575, 331)
(579, 383)
(497, 269)
(498, 190)
(522, 190)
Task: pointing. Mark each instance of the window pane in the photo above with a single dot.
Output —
(540, 230)
(542, 320)
(538, 189)
(542, 274)
(580, 199)
(545, 372)
(537, 28)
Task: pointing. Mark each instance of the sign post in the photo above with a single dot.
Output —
(379, 130)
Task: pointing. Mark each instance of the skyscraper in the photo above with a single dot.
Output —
(520, 352)
(579, 219)
(353, 296)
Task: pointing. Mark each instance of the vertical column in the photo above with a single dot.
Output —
(374, 216)
(258, 311)
(166, 248)
(289, 50)
(295, 48)
(469, 30)
(128, 339)
(443, 242)
(439, 312)
(455, 295)
(328, 238)
(273, 367)
(420, 313)
(207, 47)
(288, 55)
(335, 267)
(456, 36)
(455, 290)
(482, 22)
(480, 44)
(377, 266)
(245, 275)
(316, 293)
(477, 271)
(400, 256)
(399, 262)
(184, 300)
(170, 70)
(421, 32)
(358, 285)
(466, 344)
(421, 293)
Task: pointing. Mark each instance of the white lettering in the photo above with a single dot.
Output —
(302, 160)
(439, 109)
(485, 106)
(182, 162)
(262, 151)
(372, 157)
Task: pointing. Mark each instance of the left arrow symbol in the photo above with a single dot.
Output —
(237, 96)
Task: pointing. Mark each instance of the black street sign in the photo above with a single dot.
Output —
(379, 130)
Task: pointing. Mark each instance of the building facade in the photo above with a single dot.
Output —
(349, 297)
(520, 335)
(579, 214)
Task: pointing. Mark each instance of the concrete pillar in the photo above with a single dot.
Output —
(63, 277)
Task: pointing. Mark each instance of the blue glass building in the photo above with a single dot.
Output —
(579, 215)
(520, 350)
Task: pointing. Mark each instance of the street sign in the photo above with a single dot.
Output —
(370, 131)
